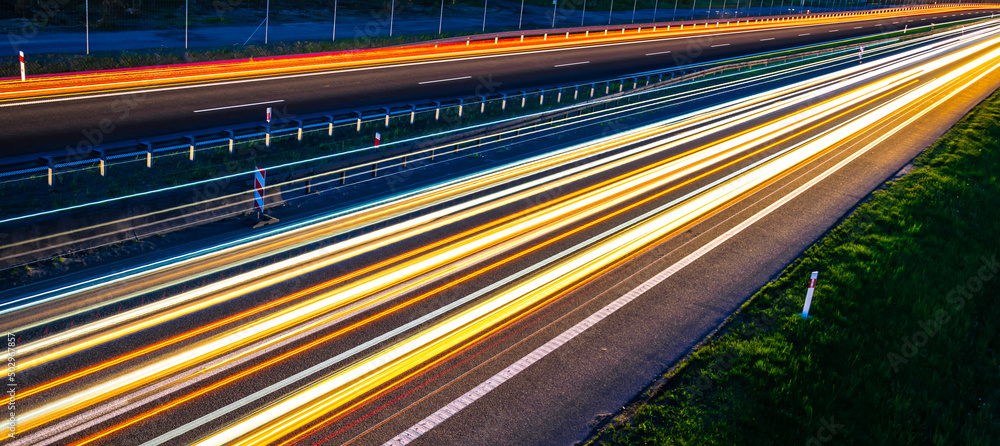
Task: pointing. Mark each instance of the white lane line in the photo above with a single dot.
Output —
(661, 52)
(445, 80)
(769, 38)
(721, 44)
(436, 418)
(238, 106)
(806, 34)
(571, 64)
(834, 30)
(857, 27)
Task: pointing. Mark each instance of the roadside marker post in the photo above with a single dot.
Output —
(21, 56)
(378, 139)
(267, 135)
(809, 294)
(259, 179)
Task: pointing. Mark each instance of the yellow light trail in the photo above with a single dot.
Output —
(188, 74)
(310, 403)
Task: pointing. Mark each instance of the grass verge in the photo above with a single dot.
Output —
(901, 345)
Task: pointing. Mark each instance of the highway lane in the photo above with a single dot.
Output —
(77, 124)
(780, 126)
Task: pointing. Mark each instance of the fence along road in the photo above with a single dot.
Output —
(73, 123)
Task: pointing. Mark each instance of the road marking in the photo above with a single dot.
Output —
(721, 44)
(238, 106)
(661, 52)
(570, 64)
(834, 30)
(857, 27)
(769, 38)
(806, 34)
(445, 80)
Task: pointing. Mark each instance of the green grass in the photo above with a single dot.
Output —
(901, 347)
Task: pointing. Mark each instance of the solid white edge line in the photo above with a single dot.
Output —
(445, 80)
(469, 397)
(238, 106)
(570, 64)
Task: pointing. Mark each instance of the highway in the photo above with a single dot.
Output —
(510, 306)
(74, 112)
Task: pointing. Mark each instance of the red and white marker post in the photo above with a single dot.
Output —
(21, 54)
(378, 139)
(809, 294)
(259, 179)
(267, 134)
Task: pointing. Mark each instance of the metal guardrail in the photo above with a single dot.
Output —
(191, 142)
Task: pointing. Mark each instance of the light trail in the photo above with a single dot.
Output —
(64, 87)
(847, 105)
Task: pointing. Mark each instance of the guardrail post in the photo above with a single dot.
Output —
(413, 113)
(541, 97)
(404, 161)
(232, 139)
(307, 187)
(343, 177)
(267, 135)
(432, 155)
(482, 104)
(386, 116)
(329, 131)
(50, 165)
(607, 87)
(592, 86)
(559, 96)
(524, 98)
(503, 105)
(192, 142)
(374, 170)
(149, 154)
(576, 93)
(299, 135)
(359, 119)
(101, 154)
(461, 103)
(437, 112)
(621, 85)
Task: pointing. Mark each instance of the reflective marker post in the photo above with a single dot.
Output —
(809, 294)
(21, 55)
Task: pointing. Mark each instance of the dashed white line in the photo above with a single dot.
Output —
(721, 44)
(857, 27)
(238, 106)
(661, 52)
(570, 64)
(806, 34)
(834, 30)
(446, 80)
(769, 38)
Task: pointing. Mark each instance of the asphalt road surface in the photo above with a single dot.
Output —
(53, 124)
(509, 308)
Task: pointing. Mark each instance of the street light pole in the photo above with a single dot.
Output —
(584, 16)
(86, 13)
(334, 20)
(267, 20)
(611, 10)
(656, 6)
(554, 13)
(185, 23)
(441, 19)
(521, 18)
(392, 15)
(485, 4)
(634, 5)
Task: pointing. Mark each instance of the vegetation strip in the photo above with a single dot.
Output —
(899, 347)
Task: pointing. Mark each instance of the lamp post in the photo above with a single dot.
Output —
(634, 5)
(334, 20)
(392, 15)
(584, 16)
(521, 18)
(267, 19)
(553, 13)
(86, 14)
(611, 10)
(441, 19)
(185, 23)
(485, 4)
